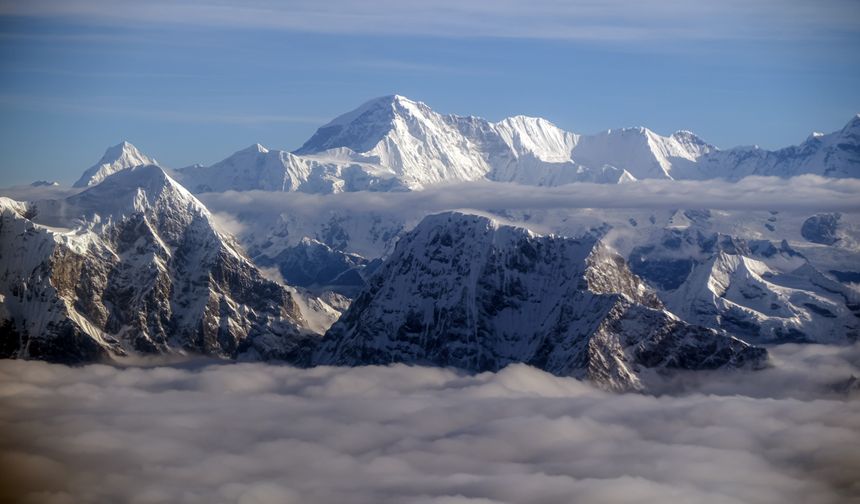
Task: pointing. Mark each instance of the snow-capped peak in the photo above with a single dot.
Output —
(144, 188)
(382, 102)
(253, 149)
(119, 157)
(853, 125)
(395, 143)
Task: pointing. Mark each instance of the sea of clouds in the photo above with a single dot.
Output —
(809, 193)
(204, 432)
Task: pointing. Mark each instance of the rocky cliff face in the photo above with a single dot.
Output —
(135, 265)
(463, 291)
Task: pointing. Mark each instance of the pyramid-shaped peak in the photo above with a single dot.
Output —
(253, 149)
(853, 125)
(388, 102)
(116, 152)
(116, 158)
(362, 128)
(145, 176)
(137, 188)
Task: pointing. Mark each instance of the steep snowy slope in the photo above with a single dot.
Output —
(255, 167)
(404, 138)
(461, 290)
(259, 168)
(119, 157)
(393, 143)
(745, 297)
(641, 152)
(135, 265)
(756, 289)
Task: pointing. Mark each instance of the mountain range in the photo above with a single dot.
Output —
(393, 143)
(131, 262)
(134, 265)
(464, 291)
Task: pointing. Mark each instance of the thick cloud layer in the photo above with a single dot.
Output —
(804, 193)
(253, 433)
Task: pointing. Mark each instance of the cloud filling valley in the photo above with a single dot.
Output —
(204, 432)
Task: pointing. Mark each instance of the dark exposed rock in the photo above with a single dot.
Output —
(821, 228)
(150, 275)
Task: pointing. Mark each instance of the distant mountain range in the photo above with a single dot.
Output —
(132, 263)
(394, 143)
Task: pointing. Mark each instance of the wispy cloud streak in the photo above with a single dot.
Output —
(608, 21)
(88, 106)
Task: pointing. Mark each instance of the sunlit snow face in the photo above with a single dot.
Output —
(254, 433)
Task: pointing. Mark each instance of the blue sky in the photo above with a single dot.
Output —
(193, 81)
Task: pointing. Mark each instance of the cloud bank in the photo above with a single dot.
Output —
(254, 433)
(804, 193)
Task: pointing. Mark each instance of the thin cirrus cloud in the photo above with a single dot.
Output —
(257, 433)
(611, 20)
(97, 107)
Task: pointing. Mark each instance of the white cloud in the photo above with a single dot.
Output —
(804, 193)
(255, 433)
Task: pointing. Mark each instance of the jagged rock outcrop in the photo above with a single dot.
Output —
(135, 265)
(463, 291)
(117, 158)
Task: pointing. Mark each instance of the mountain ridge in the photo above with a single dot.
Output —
(116, 158)
(466, 291)
(135, 265)
(394, 143)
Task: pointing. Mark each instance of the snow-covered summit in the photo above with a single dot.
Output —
(119, 157)
(144, 188)
(135, 264)
(853, 126)
(395, 143)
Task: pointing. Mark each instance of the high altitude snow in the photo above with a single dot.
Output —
(119, 157)
(134, 265)
(394, 143)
